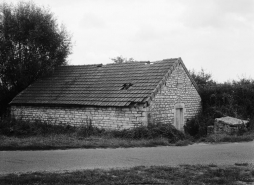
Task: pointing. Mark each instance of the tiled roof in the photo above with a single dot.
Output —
(98, 85)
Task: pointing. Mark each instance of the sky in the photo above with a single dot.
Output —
(216, 35)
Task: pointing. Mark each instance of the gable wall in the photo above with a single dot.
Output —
(102, 117)
(178, 89)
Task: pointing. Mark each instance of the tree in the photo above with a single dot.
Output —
(121, 59)
(202, 78)
(32, 45)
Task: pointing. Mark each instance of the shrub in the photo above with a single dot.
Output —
(153, 131)
(197, 127)
(235, 99)
(88, 129)
(14, 127)
(183, 143)
(191, 127)
(250, 125)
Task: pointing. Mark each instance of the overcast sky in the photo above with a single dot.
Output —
(216, 35)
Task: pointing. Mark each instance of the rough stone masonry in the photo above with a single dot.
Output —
(177, 91)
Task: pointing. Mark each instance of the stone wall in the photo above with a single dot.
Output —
(102, 117)
(177, 90)
(229, 125)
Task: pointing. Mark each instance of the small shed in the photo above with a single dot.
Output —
(112, 96)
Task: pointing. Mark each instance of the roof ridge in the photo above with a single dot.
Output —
(127, 63)
(124, 63)
(80, 65)
(168, 59)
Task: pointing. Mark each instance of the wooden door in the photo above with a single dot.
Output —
(179, 118)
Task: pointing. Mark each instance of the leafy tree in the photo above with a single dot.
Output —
(202, 79)
(121, 59)
(32, 45)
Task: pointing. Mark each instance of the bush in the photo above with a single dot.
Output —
(235, 99)
(183, 143)
(151, 132)
(191, 127)
(197, 127)
(250, 125)
(88, 129)
(13, 127)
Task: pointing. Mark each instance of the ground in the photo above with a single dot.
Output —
(237, 174)
(76, 159)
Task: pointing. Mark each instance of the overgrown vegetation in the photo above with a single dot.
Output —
(215, 138)
(19, 128)
(24, 135)
(235, 99)
(184, 174)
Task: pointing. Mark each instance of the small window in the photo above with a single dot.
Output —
(126, 86)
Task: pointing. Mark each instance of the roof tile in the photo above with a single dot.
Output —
(97, 86)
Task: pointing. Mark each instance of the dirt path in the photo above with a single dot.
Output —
(59, 160)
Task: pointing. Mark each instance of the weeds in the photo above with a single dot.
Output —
(19, 128)
(215, 138)
(183, 143)
(87, 130)
(184, 174)
(24, 135)
(150, 132)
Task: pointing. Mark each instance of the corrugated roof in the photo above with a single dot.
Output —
(97, 85)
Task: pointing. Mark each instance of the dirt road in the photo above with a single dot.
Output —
(59, 160)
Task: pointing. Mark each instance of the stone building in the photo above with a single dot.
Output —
(112, 96)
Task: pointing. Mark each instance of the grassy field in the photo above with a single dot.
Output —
(184, 174)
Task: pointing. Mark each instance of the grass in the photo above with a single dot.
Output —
(184, 174)
(61, 141)
(68, 141)
(22, 135)
(218, 138)
(183, 142)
